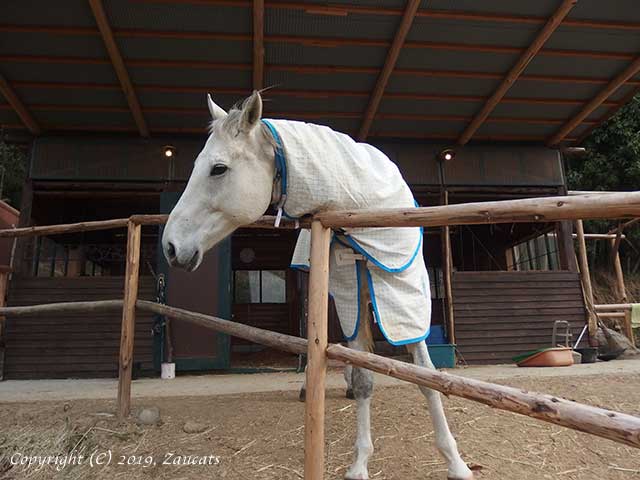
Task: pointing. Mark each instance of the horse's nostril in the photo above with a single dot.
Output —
(171, 250)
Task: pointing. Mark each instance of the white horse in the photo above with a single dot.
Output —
(234, 181)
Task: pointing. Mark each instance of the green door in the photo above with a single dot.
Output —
(207, 290)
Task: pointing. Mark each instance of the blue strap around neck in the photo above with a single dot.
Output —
(281, 163)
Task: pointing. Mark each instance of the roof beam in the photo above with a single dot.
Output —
(389, 64)
(321, 94)
(19, 107)
(323, 9)
(517, 70)
(632, 69)
(327, 42)
(310, 69)
(258, 44)
(118, 64)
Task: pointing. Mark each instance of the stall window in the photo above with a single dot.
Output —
(260, 286)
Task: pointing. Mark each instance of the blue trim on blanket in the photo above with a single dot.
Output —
(355, 332)
(299, 266)
(353, 244)
(281, 164)
(376, 313)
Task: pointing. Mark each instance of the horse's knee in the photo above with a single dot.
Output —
(361, 383)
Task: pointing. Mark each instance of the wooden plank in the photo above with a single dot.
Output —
(389, 64)
(317, 329)
(509, 299)
(128, 319)
(21, 110)
(518, 69)
(258, 44)
(118, 65)
(534, 210)
(463, 314)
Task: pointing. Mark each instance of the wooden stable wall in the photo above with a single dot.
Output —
(501, 314)
(73, 346)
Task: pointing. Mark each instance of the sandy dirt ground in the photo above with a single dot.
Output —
(260, 436)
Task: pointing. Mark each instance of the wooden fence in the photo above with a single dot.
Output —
(608, 424)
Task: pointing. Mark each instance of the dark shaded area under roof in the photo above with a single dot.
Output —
(321, 62)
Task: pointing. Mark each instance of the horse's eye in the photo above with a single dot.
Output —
(218, 169)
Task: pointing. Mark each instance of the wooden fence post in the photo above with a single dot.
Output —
(128, 319)
(617, 267)
(316, 352)
(585, 277)
(447, 273)
(4, 282)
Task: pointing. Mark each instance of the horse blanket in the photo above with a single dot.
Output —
(321, 170)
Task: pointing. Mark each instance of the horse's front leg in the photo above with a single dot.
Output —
(457, 468)
(362, 387)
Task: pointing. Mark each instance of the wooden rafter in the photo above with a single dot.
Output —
(389, 64)
(322, 94)
(185, 111)
(258, 44)
(552, 24)
(599, 100)
(21, 110)
(327, 42)
(118, 64)
(322, 8)
(308, 69)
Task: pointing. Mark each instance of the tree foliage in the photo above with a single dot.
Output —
(612, 163)
(13, 172)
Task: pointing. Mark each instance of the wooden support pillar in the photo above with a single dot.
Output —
(128, 319)
(447, 274)
(617, 267)
(4, 282)
(564, 237)
(24, 220)
(628, 327)
(316, 352)
(585, 278)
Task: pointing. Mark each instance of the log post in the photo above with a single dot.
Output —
(4, 282)
(628, 327)
(316, 352)
(447, 273)
(128, 319)
(617, 267)
(585, 278)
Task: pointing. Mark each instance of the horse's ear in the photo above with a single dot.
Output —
(251, 111)
(216, 112)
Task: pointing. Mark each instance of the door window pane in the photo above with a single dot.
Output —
(274, 286)
(247, 286)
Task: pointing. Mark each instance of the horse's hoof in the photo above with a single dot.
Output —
(471, 477)
(364, 476)
(303, 394)
(350, 394)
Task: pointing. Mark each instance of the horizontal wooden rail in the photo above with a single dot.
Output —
(615, 426)
(266, 221)
(268, 338)
(62, 307)
(608, 424)
(613, 306)
(544, 209)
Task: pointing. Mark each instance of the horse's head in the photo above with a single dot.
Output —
(230, 185)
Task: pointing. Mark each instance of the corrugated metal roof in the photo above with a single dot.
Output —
(322, 67)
